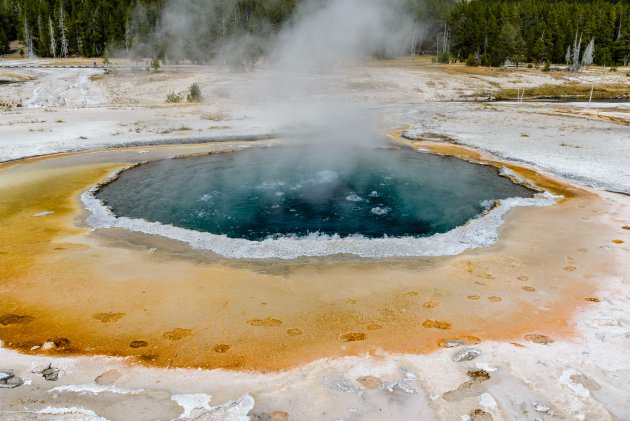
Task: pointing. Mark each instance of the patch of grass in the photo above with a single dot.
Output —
(414, 61)
(566, 91)
(218, 116)
(179, 129)
(471, 70)
(173, 98)
(192, 94)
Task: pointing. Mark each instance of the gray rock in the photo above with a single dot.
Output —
(6, 375)
(49, 372)
(8, 380)
(466, 354)
(542, 408)
(52, 377)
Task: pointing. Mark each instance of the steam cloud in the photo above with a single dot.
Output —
(323, 36)
(301, 84)
(307, 66)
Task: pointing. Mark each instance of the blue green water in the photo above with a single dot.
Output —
(296, 191)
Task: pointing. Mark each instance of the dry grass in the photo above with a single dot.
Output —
(11, 77)
(216, 116)
(415, 61)
(460, 68)
(178, 129)
(568, 91)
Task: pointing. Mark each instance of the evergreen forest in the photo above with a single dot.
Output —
(480, 32)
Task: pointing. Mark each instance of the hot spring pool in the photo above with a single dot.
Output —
(264, 196)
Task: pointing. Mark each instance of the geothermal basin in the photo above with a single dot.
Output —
(101, 282)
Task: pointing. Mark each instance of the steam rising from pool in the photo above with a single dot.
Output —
(380, 203)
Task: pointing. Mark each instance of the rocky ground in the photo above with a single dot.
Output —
(583, 377)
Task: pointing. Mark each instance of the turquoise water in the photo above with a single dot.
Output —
(296, 191)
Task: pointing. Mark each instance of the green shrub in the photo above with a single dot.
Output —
(155, 64)
(444, 58)
(613, 69)
(173, 98)
(473, 60)
(547, 66)
(194, 93)
(530, 66)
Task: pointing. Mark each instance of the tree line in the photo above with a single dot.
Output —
(492, 31)
(485, 32)
(63, 27)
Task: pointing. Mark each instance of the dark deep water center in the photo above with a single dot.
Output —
(262, 193)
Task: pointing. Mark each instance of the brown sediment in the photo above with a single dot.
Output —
(108, 317)
(13, 319)
(352, 336)
(221, 348)
(592, 299)
(177, 334)
(370, 382)
(268, 322)
(279, 416)
(538, 339)
(59, 342)
(105, 294)
(434, 324)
